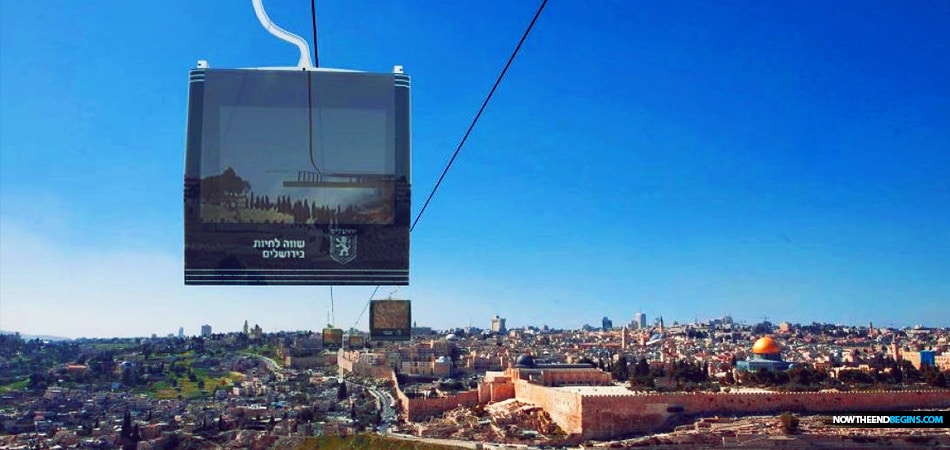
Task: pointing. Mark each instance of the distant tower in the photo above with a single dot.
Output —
(623, 338)
(246, 329)
(606, 323)
(640, 319)
(498, 325)
(661, 324)
(205, 330)
(181, 332)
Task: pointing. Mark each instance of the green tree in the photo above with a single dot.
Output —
(129, 436)
(789, 422)
(126, 430)
(896, 373)
(642, 368)
(620, 370)
(939, 380)
(341, 391)
(221, 187)
(729, 379)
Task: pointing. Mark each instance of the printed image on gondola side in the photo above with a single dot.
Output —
(228, 198)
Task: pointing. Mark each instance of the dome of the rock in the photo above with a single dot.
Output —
(766, 346)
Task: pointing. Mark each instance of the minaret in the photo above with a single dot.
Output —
(623, 338)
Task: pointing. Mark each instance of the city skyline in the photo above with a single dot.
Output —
(784, 160)
(221, 328)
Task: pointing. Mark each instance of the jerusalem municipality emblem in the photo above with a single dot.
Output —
(342, 247)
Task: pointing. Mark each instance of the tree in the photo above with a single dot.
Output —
(940, 380)
(135, 435)
(765, 376)
(220, 188)
(896, 373)
(730, 379)
(341, 391)
(126, 431)
(789, 422)
(129, 436)
(911, 374)
(37, 381)
(643, 374)
(620, 370)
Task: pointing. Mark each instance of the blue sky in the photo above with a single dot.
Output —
(788, 160)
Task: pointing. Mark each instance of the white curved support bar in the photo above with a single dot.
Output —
(283, 34)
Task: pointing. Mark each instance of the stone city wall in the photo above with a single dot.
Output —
(310, 362)
(563, 407)
(568, 377)
(609, 416)
(346, 360)
(417, 409)
(350, 362)
(496, 390)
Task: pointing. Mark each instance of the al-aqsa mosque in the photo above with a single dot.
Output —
(766, 355)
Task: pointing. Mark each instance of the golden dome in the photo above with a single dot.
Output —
(766, 346)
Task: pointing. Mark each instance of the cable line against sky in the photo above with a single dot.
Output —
(479, 114)
(313, 20)
(471, 126)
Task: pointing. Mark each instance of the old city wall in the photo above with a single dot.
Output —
(615, 415)
(346, 360)
(610, 416)
(373, 371)
(310, 362)
(564, 407)
(349, 361)
(565, 377)
(417, 409)
(502, 391)
(606, 416)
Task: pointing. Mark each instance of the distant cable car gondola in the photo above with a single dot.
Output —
(390, 320)
(297, 175)
(332, 338)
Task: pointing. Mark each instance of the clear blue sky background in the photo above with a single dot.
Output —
(785, 159)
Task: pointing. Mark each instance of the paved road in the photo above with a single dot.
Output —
(446, 442)
(272, 365)
(384, 402)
